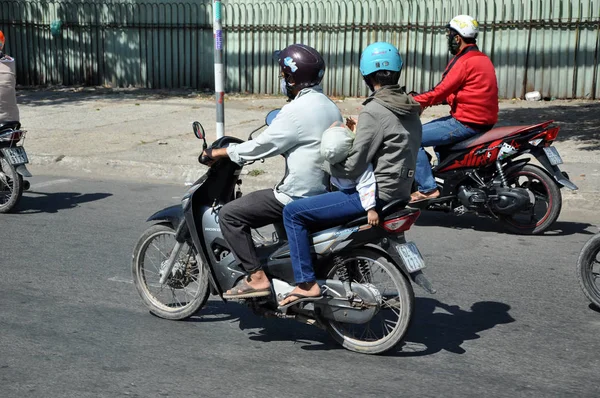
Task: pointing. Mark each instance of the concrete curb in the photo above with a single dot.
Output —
(96, 167)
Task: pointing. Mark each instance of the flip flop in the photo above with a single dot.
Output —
(301, 299)
(243, 290)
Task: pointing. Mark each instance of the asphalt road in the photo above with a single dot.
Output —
(509, 319)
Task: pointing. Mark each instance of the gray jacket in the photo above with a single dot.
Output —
(388, 135)
(296, 134)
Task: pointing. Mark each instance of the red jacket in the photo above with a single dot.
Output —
(469, 86)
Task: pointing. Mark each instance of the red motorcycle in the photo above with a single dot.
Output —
(486, 174)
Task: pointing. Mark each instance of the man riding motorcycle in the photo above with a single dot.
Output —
(296, 134)
(9, 111)
(469, 86)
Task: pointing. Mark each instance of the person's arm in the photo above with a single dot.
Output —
(369, 137)
(280, 136)
(450, 83)
(367, 190)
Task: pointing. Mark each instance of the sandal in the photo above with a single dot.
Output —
(301, 298)
(419, 196)
(243, 290)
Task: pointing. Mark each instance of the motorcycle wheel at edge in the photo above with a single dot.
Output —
(388, 327)
(186, 290)
(588, 270)
(11, 186)
(548, 201)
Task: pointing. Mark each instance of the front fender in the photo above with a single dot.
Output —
(173, 215)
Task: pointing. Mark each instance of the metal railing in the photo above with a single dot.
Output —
(549, 46)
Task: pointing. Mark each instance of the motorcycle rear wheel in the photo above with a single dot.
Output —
(588, 270)
(186, 290)
(11, 190)
(387, 328)
(548, 201)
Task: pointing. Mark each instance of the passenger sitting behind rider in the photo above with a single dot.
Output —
(469, 86)
(388, 135)
(296, 134)
(335, 148)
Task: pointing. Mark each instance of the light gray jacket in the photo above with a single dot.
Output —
(296, 134)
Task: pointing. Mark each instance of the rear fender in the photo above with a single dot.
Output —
(387, 250)
(554, 171)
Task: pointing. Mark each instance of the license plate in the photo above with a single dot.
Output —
(15, 155)
(553, 156)
(411, 256)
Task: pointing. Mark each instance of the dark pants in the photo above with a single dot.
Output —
(236, 218)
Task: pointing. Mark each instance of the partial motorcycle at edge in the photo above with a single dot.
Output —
(13, 159)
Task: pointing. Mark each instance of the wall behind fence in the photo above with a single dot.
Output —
(546, 45)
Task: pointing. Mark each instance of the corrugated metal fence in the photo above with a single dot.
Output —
(546, 45)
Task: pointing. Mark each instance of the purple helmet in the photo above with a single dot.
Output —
(303, 63)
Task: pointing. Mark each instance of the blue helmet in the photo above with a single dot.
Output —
(380, 56)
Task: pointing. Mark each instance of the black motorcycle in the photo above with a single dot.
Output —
(364, 272)
(588, 269)
(13, 159)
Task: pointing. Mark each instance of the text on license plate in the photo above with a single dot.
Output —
(411, 256)
(553, 156)
(15, 155)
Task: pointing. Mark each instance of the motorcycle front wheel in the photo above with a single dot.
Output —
(588, 270)
(11, 186)
(185, 291)
(547, 201)
(388, 326)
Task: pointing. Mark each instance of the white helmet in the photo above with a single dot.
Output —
(465, 25)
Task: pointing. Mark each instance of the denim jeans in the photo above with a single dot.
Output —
(299, 215)
(443, 131)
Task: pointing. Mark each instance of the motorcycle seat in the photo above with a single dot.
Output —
(10, 125)
(397, 208)
(493, 134)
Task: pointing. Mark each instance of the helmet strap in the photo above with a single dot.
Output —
(453, 43)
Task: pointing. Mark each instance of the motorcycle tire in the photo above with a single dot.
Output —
(551, 196)
(10, 194)
(170, 310)
(403, 306)
(588, 279)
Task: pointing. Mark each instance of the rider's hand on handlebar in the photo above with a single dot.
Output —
(210, 156)
(372, 217)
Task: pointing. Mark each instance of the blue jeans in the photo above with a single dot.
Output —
(443, 131)
(301, 213)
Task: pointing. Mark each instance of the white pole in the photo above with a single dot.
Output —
(219, 73)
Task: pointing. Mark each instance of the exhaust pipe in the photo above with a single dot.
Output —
(26, 185)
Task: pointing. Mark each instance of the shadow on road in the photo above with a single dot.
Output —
(436, 326)
(486, 224)
(43, 202)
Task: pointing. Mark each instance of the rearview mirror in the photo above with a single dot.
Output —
(198, 130)
(271, 116)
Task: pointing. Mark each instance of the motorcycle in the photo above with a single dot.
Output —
(588, 270)
(486, 175)
(13, 159)
(364, 272)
